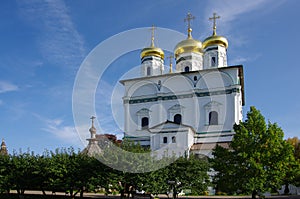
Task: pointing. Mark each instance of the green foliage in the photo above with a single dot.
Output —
(67, 170)
(24, 172)
(5, 173)
(188, 173)
(258, 158)
(293, 175)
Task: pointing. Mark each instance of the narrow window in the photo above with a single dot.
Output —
(187, 69)
(195, 78)
(145, 122)
(213, 61)
(165, 140)
(148, 71)
(213, 118)
(173, 139)
(177, 119)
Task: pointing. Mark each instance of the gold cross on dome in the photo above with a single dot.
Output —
(152, 35)
(188, 19)
(214, 18)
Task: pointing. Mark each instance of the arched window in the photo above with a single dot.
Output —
(177, 119)
(195, 78)
(213, 118)
(165, 140)
(213, 61)
(145, 122)
(173, 139)
(148, 71)
(187, 69)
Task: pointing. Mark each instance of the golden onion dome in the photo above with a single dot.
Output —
(152, 51)
(215, 40)
(188, 45)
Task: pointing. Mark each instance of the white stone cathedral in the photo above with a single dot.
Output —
(190, 109)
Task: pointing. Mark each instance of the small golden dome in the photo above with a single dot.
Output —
(215, 40)
(152, 51)
(188, 45)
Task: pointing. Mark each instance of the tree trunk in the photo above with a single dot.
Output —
(71, 193)
(174, 192)
(122, 193)
(286, 189)
(254, 193)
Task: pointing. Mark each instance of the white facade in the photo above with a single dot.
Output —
(189, 62)
(152, 65)
(190, 110)
(215, 56)
(196, 96)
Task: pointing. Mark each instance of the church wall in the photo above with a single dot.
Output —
(183, 141)
(195, 98)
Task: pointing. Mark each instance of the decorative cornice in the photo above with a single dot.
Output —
(182, 96)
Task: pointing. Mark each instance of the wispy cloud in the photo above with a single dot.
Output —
(7, 87)
(231, 10)
(59, 41)
(229, 24)
(109, 107)
(240, 60)
(57, 127)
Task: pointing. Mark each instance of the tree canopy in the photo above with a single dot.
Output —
(293, 177)
(258, 158)
(73, 172)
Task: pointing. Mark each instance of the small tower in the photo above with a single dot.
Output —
(152, 59)
(93, 130)
(215, 48)
(3, 150)
(93, 147)
(170, 57)
(188, 53)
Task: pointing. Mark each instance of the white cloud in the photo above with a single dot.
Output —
(7, 87)
(59, 40)
(238, 60)
(108, 103)
(63, 132)
(232, 10)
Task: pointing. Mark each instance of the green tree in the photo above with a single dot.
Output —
(185, 172)
(72, 172)
(293, 176)
(24, 172)
(257, 160)
(191, 173)
(5, 173)
(295, 142)
(121, 179)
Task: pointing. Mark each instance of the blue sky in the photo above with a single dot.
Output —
(43, 44)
